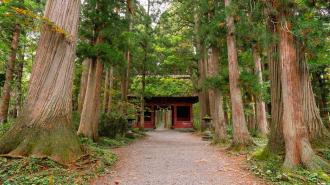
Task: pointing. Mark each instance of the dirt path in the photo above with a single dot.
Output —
(176, 158)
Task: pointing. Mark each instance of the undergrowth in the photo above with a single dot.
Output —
(27, 171)
(269, 166)
(98, 161)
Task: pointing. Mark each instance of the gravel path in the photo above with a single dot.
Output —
(177, 158)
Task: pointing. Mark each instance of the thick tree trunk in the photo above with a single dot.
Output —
(88, 126)
(241, 134)
(261, 117)
(19, 93)
(5, 99)
(83, 83)
(275, 138)
(311, 113)
(298, 149)
(106, 91)
(44, 128)
(216, 100)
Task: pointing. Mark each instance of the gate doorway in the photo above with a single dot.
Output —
(163, 118)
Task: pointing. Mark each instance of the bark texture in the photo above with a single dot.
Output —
(83, 83)
(106, 91)
(311, 113)
(88, 126)
(298, 150)
(44, 128)
(19, 94)
(110, 88)
(241, 136)
(5, 99)
(216, 100)
(260, 107)
(276, 140)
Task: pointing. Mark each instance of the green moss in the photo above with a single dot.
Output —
(28, 171)
(267, 165)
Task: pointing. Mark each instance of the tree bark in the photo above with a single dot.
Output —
(261, 117)
(9, 74)
(19, 93)
(106, 91)
(241, 136)
(83, 83)
(110, 88)
(44, 128)
(298, 150)
(216, 100)
(275, 139)
(311, 113)
(88, 126)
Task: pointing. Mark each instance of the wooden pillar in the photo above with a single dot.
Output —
(175, 116)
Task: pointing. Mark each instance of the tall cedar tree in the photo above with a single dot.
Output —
(241, 136)
(44, 128)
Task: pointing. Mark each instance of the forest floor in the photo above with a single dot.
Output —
(177, 158)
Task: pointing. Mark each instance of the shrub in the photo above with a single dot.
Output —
(112, 125)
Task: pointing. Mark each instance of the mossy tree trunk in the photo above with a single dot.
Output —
(44, 128)
(241, 136)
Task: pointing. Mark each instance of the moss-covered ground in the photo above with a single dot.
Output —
(269, 166)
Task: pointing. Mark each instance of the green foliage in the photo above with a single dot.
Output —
(113, 125)
(269, 166)
(4, 127)
(164, 86)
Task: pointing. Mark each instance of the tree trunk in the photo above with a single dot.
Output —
(298, 150)
(275, 140)
(241, 136)
(311, 113)
(142, 107)
(323, 91)
(203, 93)
(19, 93)
(88, 126)
(106, 91)
(216, 100)
(261, 117)
(44, 128)
(9, 74)
(110, 88)
(83, 83)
